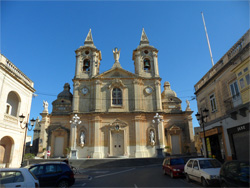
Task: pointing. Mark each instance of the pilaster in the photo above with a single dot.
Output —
(75, 103)
(93, 65)
(139, 150)
(97, 137)
(137, 63)
(78, 65)
(137, 94)
(158, 95)
(156, 70)
(98, 99)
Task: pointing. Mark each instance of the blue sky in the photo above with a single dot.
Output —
(40, 39)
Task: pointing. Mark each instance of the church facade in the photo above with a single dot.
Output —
(116, 113)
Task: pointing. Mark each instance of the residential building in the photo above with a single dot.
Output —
(116, 109)
(224, 91)
(16, 91)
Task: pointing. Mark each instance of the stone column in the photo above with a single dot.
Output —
(161, 139)
(43, 134)
(73, 136)
(98, 99)
(158, 95)
(97, 140)
(73, 152)
(161, 134)
(156, 64)
(73, 131)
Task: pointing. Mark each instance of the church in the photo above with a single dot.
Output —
(116, 113)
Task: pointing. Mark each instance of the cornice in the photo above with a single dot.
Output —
(17, 77)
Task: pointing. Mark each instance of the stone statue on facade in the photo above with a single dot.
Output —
(116, 54)
(188, 105)
(45, 106)
(152, 137)
(82, 139)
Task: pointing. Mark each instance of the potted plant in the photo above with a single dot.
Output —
(168, 149)
(187, 149)
(68, 151)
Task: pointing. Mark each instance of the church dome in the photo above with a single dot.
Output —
(65, 94)
(168, 92)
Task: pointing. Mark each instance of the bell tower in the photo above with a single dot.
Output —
(88, 59)
(145, 58)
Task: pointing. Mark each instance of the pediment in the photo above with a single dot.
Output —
(174, 128)
(56, 127)
(117, 73)
(118, 122)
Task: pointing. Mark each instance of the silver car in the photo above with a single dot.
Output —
(18, 177)
(203, 170)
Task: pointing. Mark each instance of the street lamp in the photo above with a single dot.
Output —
(32, 122)
(158, 119)
(74, 122)
(202, 119)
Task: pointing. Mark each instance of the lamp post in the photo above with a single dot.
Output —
(74, 122)
(158, 119)
(202, 119)
(32, 122)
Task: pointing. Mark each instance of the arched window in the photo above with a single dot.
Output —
(12, 104)
(117, 96)
(146, 64)
(86, 65)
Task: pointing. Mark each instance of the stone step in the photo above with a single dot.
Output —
(103, 163)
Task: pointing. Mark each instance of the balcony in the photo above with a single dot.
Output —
(234, 106)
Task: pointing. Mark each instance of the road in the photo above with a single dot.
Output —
(148, 176)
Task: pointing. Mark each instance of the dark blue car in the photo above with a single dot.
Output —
(53, 174)
(235, 174)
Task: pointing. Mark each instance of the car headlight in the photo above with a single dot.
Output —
(176, 170)
(214, 177)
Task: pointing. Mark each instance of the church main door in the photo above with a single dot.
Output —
(118, 143)
(175, 144)
(59, 141)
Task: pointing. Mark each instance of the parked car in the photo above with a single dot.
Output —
(173, 166)
(203, 170)
(17, 177)
(235, 174)
(52, 174)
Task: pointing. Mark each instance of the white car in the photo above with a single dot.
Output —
(203, 170)
(17, 177)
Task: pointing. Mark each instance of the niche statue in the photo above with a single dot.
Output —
(82, 139)
(152, 138)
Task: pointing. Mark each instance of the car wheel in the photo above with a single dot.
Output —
(164, 171)
(204, 182)
(63, 183)
(223, 185)
(172, 174)
(187, 178)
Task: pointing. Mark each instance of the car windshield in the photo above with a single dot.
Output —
(209, 164)
(177, 161)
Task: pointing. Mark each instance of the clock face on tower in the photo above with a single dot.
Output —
(148, 90)
(85, 90)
